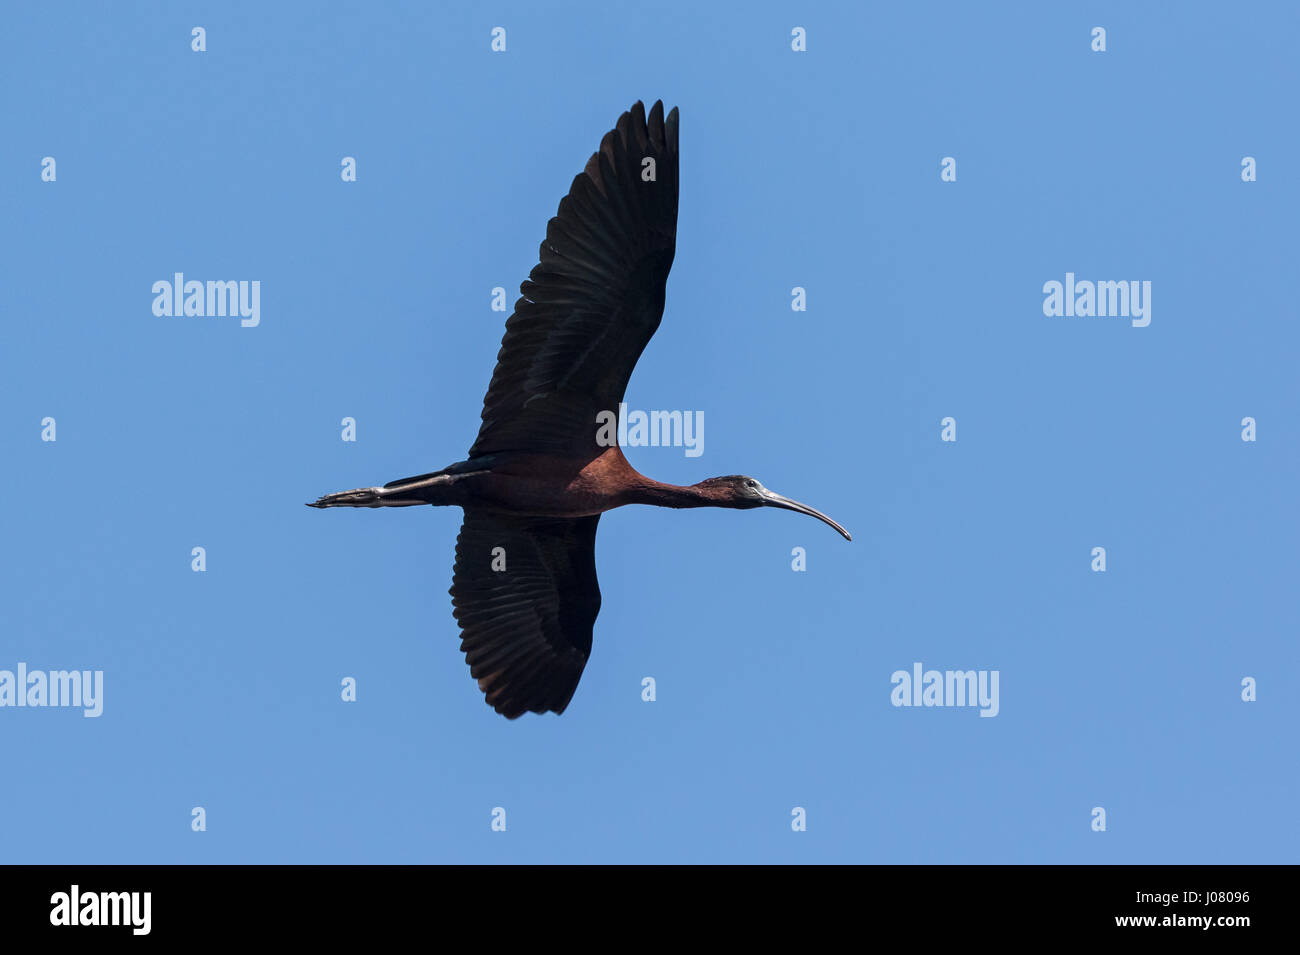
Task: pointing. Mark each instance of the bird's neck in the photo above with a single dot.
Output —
(647, 491)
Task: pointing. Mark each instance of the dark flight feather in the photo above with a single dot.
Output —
(595, 298)
(526, 630)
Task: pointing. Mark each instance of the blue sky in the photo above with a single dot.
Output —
(818, 169)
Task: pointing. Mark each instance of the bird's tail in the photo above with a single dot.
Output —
(361, 497)
(433, 488)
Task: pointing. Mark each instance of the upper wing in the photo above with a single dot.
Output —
(595, 298)
(527, 623)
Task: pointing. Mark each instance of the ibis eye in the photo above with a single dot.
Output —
(750, 484)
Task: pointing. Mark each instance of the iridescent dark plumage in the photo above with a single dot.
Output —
(536, 480)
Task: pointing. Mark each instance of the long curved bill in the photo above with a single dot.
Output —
(772, 499)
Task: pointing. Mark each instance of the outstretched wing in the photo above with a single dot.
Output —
(526, 611)
(595, 298)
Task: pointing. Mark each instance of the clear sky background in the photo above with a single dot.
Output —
(818, 169)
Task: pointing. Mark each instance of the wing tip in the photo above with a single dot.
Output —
(660, 129)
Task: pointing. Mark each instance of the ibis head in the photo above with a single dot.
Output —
(744, 492)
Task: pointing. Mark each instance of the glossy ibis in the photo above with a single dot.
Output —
(524, 587)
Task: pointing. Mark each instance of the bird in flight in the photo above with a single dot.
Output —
(539, 476)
